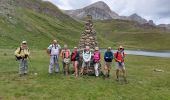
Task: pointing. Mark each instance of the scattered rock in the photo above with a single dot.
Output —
(158, 70)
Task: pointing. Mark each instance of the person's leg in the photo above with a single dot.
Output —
(117, 74)
(96, 69)
(124, 72)
(56, 61)
(21, 67)
(82, 68)
(109, 68)
(105, 70)
(117, 71)
(76, 68)
(25, 66)
(66, 69)
(50, 70)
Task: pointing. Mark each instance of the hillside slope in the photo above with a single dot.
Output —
(37, 22)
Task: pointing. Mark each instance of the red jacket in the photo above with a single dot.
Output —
(119, 56)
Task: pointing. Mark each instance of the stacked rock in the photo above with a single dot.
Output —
(88, 37)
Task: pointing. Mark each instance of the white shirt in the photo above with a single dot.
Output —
(87, 56)
(55, 49)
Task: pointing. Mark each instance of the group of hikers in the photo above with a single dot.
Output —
(81, 60)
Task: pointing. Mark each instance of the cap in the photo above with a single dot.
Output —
(96, 48)
(24, 42)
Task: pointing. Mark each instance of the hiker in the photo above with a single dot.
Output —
(54, 50)
(120, 66)
(65, 54)
(22, 54)
(75, 57)
(96, 60)
(86, 59)
(108, 57)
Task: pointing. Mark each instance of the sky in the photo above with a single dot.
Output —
(156, 10)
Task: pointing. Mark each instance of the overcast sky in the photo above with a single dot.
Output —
(157, 10)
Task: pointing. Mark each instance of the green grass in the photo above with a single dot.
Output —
(133, 36)
(144, 82)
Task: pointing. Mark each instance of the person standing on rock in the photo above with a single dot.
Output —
(22, 54)
(120, 66)
(86, 59)
(96, 60)
(54, 50)
(75, 58)
(65, 54)
(108, 57)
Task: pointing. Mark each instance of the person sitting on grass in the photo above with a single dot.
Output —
(120, 66)
(75, 58)
(86, 59)
(96, 60)
(108, 57)
(22, 54)
(65, 54)
(54, 50)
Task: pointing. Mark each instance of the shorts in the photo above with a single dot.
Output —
(108, 64)
(85, 64)
(66, 60)
(120, 65)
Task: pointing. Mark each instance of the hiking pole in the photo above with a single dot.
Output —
(34, 69)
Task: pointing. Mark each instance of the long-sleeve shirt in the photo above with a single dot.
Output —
(108, 56)
(22, 52)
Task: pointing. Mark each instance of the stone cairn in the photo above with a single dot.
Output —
(88, 37)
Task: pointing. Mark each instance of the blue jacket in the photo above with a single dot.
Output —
(108, 56)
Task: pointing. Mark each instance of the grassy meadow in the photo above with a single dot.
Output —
(144, 82)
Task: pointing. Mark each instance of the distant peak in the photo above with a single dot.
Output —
(135, 14)
(99, 4)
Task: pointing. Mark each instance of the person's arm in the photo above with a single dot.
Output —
(84, 57)
(69, 53)
(99, 57)
(49, 49)
(112, 55)
(59, 48)
(89, 58)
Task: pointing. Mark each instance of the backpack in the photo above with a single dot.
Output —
(49, 51)
(116, 55)
(96, 56)
(18, 58)
(73, 56)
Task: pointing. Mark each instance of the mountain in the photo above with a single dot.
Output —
(36, 21)
(167, 26)
(99, 11)
(137, 18)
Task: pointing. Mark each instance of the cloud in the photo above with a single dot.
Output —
(157, 10)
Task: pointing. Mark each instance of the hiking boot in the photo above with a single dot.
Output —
(25, 73)
(125, 80)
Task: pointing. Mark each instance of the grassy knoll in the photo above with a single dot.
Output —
(144, 83)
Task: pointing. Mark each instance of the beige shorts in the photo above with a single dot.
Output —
(108, 64)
